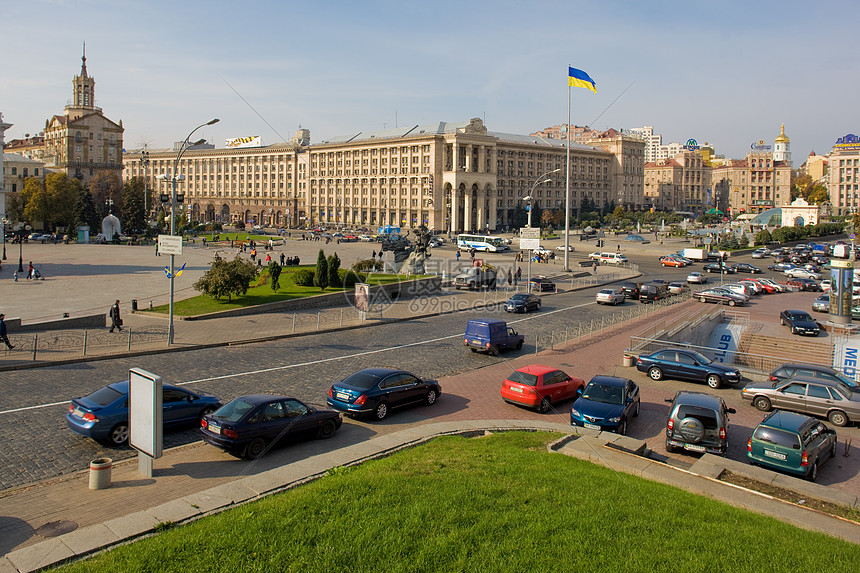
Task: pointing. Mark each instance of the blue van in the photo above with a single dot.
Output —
(491, 335)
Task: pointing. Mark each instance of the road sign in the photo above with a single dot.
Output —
(530, 233)
(169, 244)
(530, 244)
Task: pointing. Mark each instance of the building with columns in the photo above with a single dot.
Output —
(680, 183)
(82, 141)
(844, 175)
(447, 176)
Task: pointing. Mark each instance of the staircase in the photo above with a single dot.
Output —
(767, 352)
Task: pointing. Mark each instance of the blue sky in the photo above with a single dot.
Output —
(728, 72)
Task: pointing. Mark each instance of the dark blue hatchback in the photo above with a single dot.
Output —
(607, 403)
(375, 391)
(249, 425)
(103, 415)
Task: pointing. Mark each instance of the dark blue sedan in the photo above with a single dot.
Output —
(103, 415)
(607, 403)
(687, 365)
(376, 391)
(250, 425)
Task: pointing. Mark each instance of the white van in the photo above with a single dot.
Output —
(612, 258)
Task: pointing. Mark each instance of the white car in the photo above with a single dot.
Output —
(799, 273)
(542, 251)
(825, 285)
(595, 256)
(570, 248)
(740, 289)
(611, 296)
(697, 277)
(365, 238)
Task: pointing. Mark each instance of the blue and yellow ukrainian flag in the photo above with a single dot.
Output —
(580, 79)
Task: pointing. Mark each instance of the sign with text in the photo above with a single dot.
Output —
(530, 244)
(530, 233)
(170, 244)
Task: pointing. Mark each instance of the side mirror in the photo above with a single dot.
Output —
(669, 400)
(731, 411)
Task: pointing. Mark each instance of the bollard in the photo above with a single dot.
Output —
(294, 322)
(318, 320)
(35, 345)
(100, 470)
(341, 317)
(628, 360)
(129, 339)
(85, 342)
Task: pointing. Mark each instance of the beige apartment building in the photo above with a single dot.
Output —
(448, 176)
(844, 170)
(680, 183)
(17, 169)
(82, 141)
(754, 184)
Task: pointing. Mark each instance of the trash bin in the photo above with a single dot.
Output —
(628, 360)
(134, 304)
(100, 473)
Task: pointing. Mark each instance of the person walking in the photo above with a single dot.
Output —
(31, 270)
(510, 277)
(268, 259)
(283, 258)
(253, 254)
(458, 256)
(4, 337)
(115, 320)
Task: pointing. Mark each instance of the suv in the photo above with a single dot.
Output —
(791, 443)
(698, 422)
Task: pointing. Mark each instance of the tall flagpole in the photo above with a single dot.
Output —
(567, 189)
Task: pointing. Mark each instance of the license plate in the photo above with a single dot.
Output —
(694, 447)
(78, 412)
(342, 396)
(774, 455)
(515, 389)
(591, 426)
(214, 428)
(477, 342)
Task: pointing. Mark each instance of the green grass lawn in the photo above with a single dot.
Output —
(262, 293)
(497, 503)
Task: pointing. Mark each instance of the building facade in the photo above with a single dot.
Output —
(3, 127)
(82, 141)
(681, 183)
(448, 176)
(17, 169)
(844, 171)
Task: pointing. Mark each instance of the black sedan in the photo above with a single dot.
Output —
(376, 391)
(687, 365)
(747, 268)
(719, 268)
(522, 302)
(249, 425)
(799, 322)
(720, 296)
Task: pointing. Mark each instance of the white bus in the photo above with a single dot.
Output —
(484, 243)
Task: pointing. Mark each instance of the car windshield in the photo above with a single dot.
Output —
(523, 378)
(607, 291)
(800, 316)
(233, 411)
(519, 297)
(603, 393)
(104, 396)
(363, 380)
(850, 382)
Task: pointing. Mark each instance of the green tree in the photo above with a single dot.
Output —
(133, 213)
(763, 237)
(619, 213)
(333, 263)
(744, 241)
(321, 274)
(34, 200)
(275, 275)
(85, 211)
(105, 186)
(227, 278)
(62, 197)
(818, 194)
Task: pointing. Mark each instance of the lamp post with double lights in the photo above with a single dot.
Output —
(174, 177)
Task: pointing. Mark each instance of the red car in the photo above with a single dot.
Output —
(672, 262)
(540, 387)
(766, 288)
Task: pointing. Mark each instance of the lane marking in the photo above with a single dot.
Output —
(313, 362)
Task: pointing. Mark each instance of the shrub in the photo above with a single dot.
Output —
(348, 278)
(763, 237)
(367, 265)
(321, 274)
(744, 241)
(227, 278)
(275, 274)
(333, 267)
(304, 277)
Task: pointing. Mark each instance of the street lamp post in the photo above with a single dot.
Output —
(173, 179)
(5, 222)
(23, 231)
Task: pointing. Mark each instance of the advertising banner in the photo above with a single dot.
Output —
(248, 141)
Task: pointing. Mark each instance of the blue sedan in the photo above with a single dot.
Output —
(249, 425)
(687, 365)
(607, 403)
(376, 391)
(103, 415)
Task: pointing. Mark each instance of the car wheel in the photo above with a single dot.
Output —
(519, 344)
(731, 303)
(622, 428)
(813, 472)
(636, 410)
(762, 404)
(119, 434)
(837, 418)
(207, 411)
(255, 449)
(655, 373)
(431, 397)
(381, 411)
(714, 381)
(702, 299)
(544, 405)
(327, 430)
(833, 450)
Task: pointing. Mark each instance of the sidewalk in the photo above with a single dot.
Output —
(197, 479)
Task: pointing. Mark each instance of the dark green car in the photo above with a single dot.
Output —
(791, 443)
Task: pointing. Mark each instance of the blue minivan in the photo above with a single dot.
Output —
(491, 335)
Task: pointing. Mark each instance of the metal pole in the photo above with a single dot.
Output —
(35, 345)
(85, 342)
(129, 339)
(172, 232)
(567, 194)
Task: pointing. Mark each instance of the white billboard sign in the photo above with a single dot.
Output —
(530, 244)
(145, 413)
(248, 141)
(170, 244)
(530, 232)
